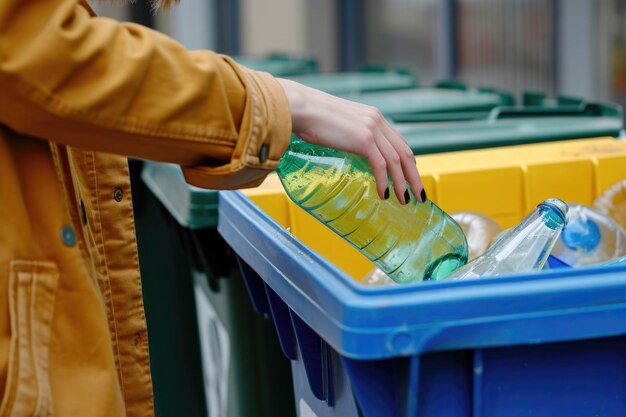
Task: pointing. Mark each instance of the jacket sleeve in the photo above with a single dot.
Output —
(94, 83)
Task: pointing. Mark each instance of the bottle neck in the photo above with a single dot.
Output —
(554, 212)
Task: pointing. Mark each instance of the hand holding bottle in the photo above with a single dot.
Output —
(330, 121)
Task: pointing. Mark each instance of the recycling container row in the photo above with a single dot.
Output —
(506, 126)
(397, 93)
(192, 284)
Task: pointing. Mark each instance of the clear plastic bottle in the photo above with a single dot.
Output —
(524, 248)
(409, 243)
(612, 202)
(480, 231)
(589, 238)
(620, 261)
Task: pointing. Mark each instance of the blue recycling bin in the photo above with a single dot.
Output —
(541, 345)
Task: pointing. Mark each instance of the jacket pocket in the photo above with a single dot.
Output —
(32, 290)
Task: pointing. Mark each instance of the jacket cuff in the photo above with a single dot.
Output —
(263, 137)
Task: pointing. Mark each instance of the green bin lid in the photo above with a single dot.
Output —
(192, 207)
(537, 98)
(366, 80)
(279, 65)
(442, 102)
(506, 126)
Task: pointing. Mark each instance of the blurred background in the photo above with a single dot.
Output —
(575, 47)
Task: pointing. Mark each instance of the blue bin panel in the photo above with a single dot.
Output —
(445, 385)
(282, 321)
(255, 288)
(343, 400)
(380, 389)
(585, 378)
(316, 358)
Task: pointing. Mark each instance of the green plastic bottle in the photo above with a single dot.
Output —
(409, 243)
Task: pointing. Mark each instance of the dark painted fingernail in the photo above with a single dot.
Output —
(386, 193)
(407, 197)
(423, 195)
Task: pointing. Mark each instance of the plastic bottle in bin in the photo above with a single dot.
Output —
(589, 238)
(620, 261)
(479, 229)
(525, 248)
(612, 202)
(409, 243)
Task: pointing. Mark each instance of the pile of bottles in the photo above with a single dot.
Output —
(420, 241)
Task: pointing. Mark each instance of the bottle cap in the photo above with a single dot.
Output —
(581, 233)
(559, 207)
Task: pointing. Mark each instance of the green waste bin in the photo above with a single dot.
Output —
(368, 79)
(445, 101)
(169, 307)
(506, 126)
(279, 65)
(211, 354)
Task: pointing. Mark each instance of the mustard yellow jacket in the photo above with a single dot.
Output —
(78, 93)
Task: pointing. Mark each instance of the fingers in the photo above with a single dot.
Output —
(357, 136)
(379, 168)
(398, 156)
(407, 160)
(394, 167)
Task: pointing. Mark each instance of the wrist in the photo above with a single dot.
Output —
(295, 93)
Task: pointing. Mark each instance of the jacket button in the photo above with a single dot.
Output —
(263, 153)
(68, 236)
(118, 195)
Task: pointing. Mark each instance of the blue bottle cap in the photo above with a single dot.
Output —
(581, 234)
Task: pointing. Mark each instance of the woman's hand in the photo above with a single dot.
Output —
(330, 121)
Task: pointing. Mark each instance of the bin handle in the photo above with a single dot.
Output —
(506, 98)
(538, 98)
(588, 109)
(205, 264)
(375, 68)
